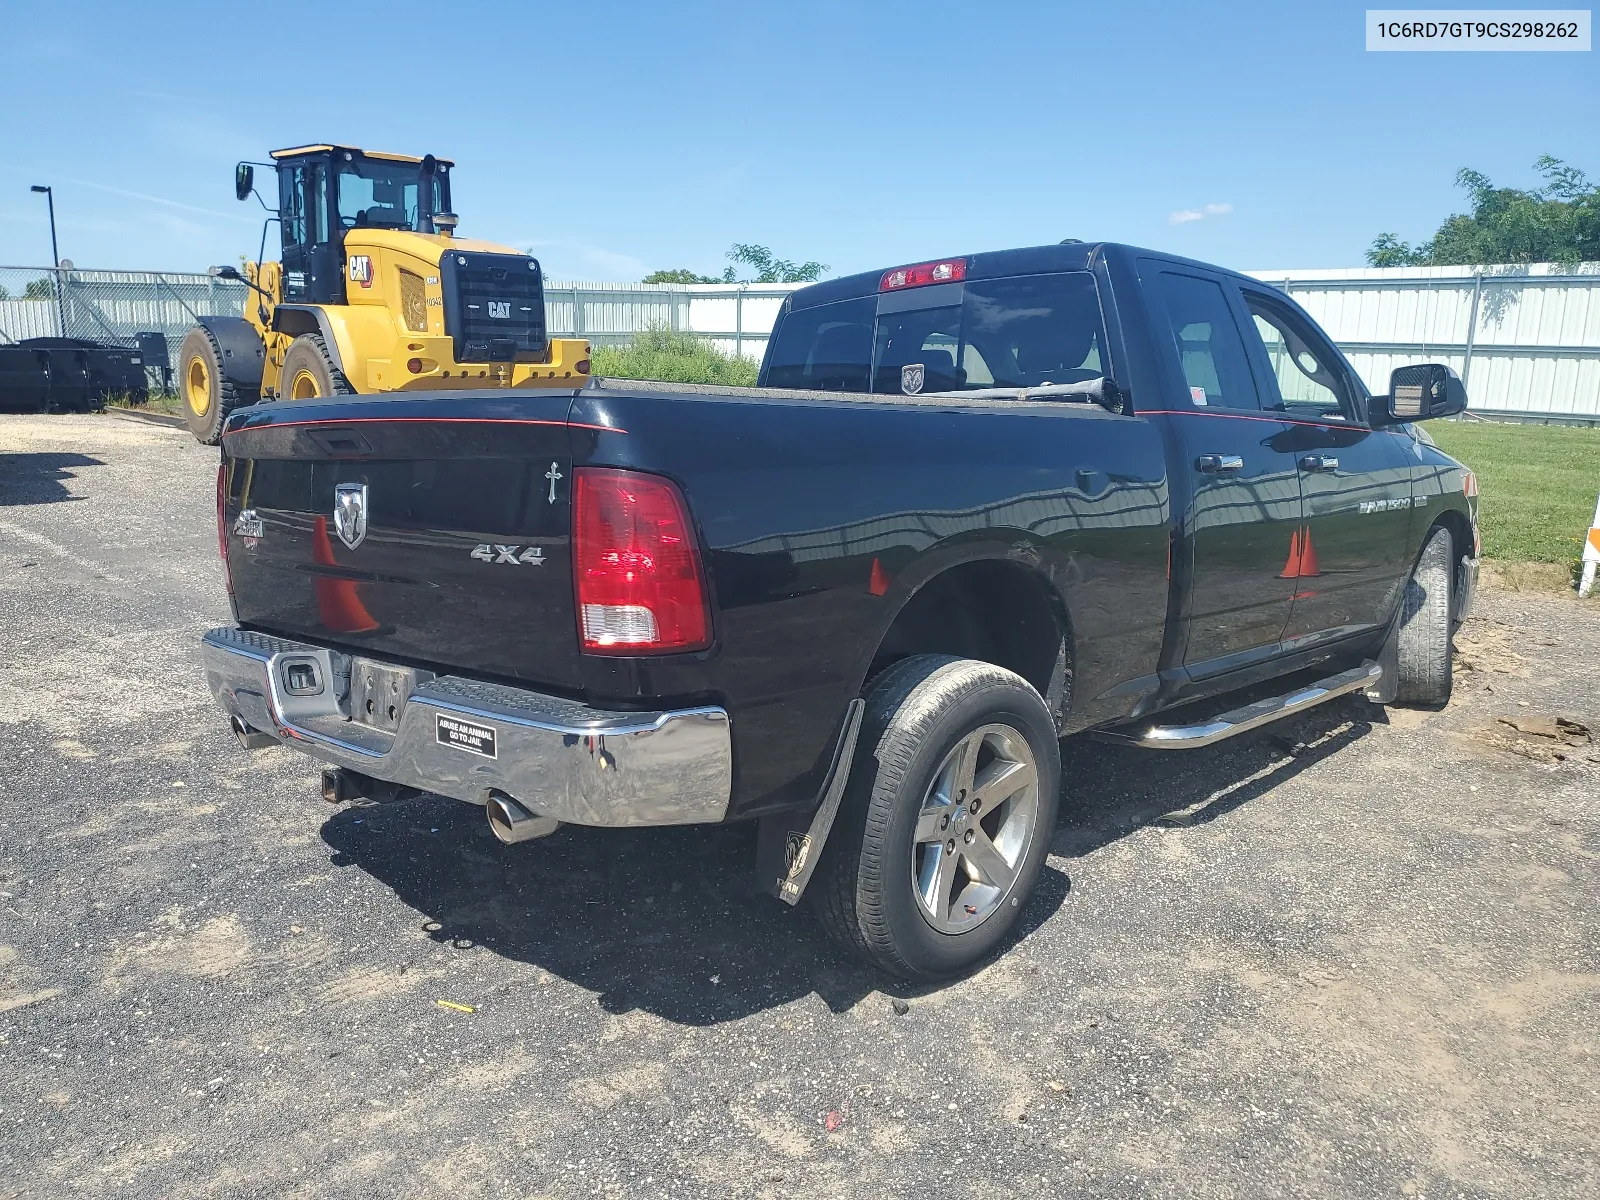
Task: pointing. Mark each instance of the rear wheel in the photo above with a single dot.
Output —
(309, 373)
(1423, 669)
(208, 394)
(946, 820)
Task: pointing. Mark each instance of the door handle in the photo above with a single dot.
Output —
(1319, 462)
(1219, 464)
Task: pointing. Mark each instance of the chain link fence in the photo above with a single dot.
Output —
(111, 307)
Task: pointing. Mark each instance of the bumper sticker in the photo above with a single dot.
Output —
(464, 735)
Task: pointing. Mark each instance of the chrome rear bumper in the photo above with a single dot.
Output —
(462, 738)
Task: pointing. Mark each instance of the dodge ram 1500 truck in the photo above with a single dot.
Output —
(975, 505)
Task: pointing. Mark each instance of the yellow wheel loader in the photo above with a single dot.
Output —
(373, 293)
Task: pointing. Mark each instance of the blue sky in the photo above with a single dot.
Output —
(614, 139)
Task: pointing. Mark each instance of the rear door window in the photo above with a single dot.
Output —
(825, 348)
(1211, 350)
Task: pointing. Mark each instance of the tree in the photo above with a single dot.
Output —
(679, 275)
(1559, 222)
(769, 269)
(39, 289)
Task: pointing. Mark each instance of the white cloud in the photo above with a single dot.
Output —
(1184, 215)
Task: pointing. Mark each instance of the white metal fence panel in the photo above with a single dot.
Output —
(1525, 338)
(736, 318)
(28, 319)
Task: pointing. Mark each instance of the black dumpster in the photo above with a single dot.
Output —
(84, 374)
(24, 379)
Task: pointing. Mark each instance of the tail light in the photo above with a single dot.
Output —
(635, 570)
(947, 270)
(222, 522)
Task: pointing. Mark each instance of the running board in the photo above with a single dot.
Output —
(1251, 716)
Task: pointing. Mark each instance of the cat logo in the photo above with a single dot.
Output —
(361, 270)
(500, 310)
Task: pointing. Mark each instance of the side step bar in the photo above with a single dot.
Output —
(1251, 716)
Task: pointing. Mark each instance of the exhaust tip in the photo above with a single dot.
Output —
(511, 823)
(249, 736)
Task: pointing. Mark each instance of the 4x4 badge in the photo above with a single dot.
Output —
(350, 513)
(533, 555)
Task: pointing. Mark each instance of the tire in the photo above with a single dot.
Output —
(308, 371)
(1423, 669)
(879, 894)
(207, 392)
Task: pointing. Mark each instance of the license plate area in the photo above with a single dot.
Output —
(379, 692)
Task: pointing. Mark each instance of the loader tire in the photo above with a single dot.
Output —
(207, 392)
(309, 373)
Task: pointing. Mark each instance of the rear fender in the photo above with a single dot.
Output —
(243, 351)
(298, 319)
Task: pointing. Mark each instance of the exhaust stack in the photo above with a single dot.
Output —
(512, 823)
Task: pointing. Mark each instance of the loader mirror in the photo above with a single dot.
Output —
(244, 181)
(226, 272)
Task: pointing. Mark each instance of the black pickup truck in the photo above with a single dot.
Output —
(975, 505)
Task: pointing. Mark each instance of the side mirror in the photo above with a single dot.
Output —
(1424, 391)
(226, 273)
(244, 181)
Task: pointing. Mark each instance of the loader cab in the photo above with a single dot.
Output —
(326, 191)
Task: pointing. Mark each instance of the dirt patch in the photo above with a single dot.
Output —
(1536, 577)
(1540, 738)
(1485, 649)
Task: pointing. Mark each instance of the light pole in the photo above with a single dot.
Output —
(55, 257)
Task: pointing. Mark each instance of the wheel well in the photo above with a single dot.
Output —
(295, 321)
(1460, 533)
(998, 612)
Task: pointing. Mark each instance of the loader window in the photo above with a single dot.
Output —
(376, 194)
(304, 213)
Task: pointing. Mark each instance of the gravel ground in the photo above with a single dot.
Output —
(1352, 956)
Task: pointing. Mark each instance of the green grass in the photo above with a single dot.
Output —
(158, 402)
(676, 357)
(1536, 485)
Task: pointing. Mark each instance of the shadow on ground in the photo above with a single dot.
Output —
(39, 478)
(646, 918)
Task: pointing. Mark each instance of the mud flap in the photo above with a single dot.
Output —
(786, 856)
(1388, 685)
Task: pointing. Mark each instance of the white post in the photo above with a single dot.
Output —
(1591, 554)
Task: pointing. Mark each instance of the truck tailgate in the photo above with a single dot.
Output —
(393, 529)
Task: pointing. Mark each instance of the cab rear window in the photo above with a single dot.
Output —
(1017, 331)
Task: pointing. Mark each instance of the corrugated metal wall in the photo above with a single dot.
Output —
(735, 317)
(1525, 339)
